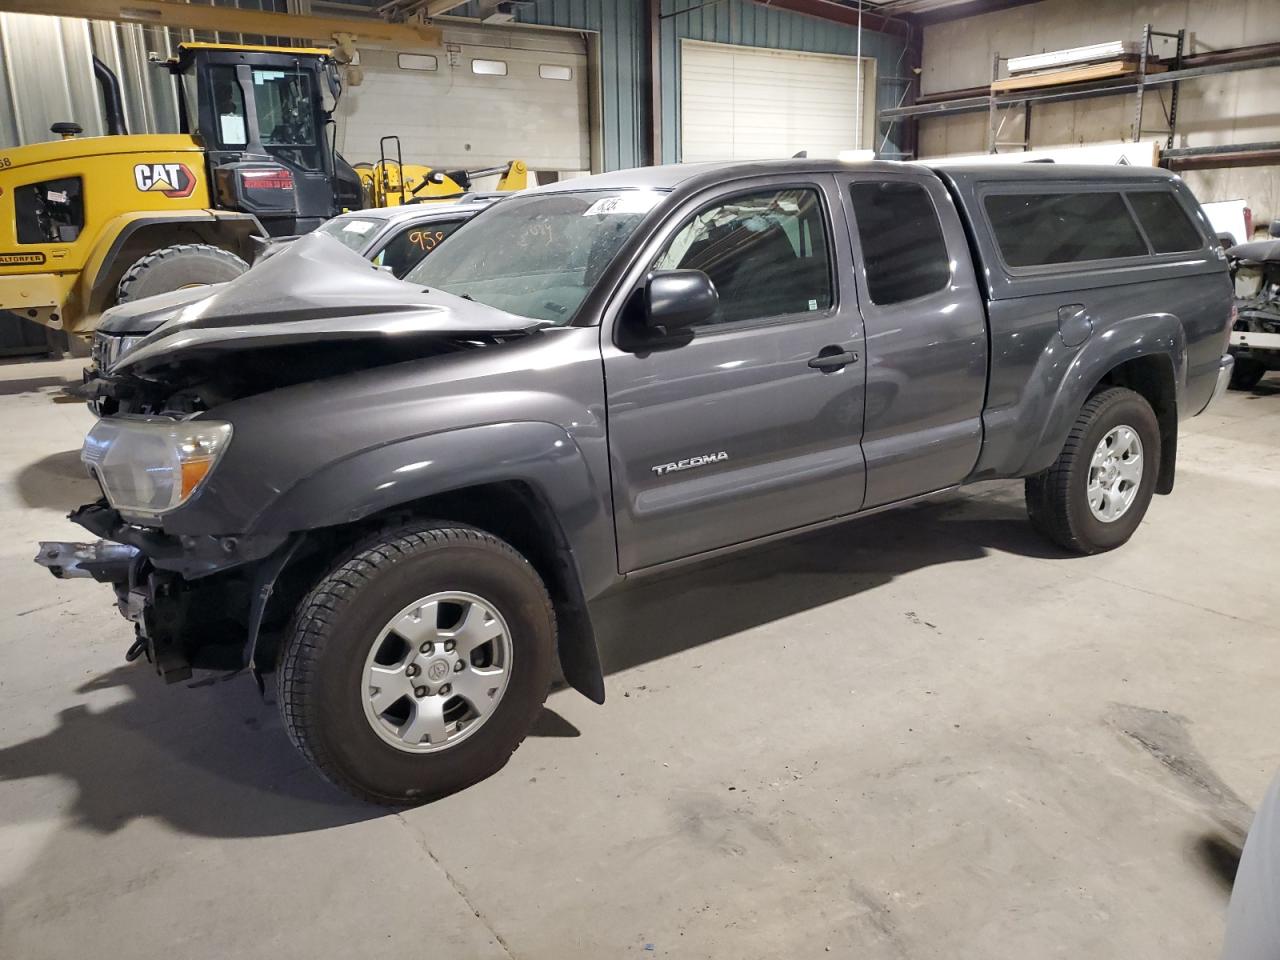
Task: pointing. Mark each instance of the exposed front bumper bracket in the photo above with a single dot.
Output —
(105, 561)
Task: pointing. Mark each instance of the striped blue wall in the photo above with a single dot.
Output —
(623, 66)
(624, 55)
(754, 25)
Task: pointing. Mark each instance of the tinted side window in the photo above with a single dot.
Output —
(902, 246)
(1039, 229)
(766, 253)
(408, 247)
(1168, 227)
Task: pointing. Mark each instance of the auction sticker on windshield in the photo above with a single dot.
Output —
(631, 202)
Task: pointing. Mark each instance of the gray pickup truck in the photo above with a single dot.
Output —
(401, 498)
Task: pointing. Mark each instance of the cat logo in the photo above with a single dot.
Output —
(172, 179)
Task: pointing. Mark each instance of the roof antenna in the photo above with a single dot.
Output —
(800, 156)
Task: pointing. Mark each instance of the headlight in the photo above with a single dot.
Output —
(109, 348)
(149, 465)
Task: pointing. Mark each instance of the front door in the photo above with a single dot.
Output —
(751, 427)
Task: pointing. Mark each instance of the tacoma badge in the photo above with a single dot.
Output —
(665, 468)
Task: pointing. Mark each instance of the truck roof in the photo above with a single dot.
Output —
(1046, 172)
(672, 175)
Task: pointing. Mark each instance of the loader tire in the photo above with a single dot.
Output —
(177, 267)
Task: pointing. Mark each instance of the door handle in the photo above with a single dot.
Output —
(831, 359)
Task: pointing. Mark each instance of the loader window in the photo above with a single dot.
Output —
(51, 211)
(286, 103)
(228, 104)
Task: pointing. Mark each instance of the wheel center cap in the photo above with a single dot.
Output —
(437, 670)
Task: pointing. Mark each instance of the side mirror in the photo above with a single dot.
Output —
(678, 299)
(1275, 228)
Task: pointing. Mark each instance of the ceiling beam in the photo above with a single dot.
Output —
(842, 14)
(197, 16)
(969, 8)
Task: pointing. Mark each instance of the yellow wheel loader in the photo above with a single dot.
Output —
(88, 222)
(392, 182)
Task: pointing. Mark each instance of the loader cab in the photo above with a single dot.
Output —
(260, 113)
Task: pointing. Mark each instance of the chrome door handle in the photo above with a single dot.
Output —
(831, 359)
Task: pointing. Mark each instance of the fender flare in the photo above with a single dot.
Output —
(1145, 335)
(541, 456)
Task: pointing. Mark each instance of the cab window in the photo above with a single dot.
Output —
(408, 247)
(766, 252)
(285, 104)
(228, 107)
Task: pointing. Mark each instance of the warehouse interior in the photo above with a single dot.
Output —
(926, 730)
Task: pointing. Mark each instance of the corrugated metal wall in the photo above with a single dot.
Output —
(624, 55)
(751, 24)
(624, 77)
(46, 72)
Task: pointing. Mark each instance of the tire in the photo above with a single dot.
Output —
(1058, 501)
(182, 265)
(322, 681)
(1247, 374)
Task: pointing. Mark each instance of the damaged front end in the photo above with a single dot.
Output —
(194, 602)
(178, 545)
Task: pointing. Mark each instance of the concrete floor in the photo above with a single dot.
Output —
(923, 735)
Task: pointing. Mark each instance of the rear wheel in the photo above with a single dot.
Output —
(176, 267)
(416, 667)
(1097, 492)
(1247, 374)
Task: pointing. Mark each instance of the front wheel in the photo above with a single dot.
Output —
(418, 664)
(1097, 492)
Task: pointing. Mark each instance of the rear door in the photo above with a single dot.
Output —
(926, 364)
(752, 426)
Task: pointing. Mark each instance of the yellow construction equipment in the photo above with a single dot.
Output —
(87, 222)
(391, 182)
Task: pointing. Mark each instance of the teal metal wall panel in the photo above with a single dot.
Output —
(624, 77)
(750, 24)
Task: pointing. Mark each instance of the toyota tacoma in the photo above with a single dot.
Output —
(395, 501)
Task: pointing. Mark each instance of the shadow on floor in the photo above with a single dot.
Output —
(58, 481)
(11, 388)
(1219, 854)
(698, 604)
(214, 760)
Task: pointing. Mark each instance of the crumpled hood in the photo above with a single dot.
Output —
(314, 291)
(143, 316)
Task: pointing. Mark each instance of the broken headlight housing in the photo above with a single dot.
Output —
(109, 347)
(147, 466)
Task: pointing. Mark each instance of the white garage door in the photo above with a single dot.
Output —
(486, 97)
(749, 103)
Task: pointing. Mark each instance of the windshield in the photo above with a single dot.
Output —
(539, 255)
(353, 233)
